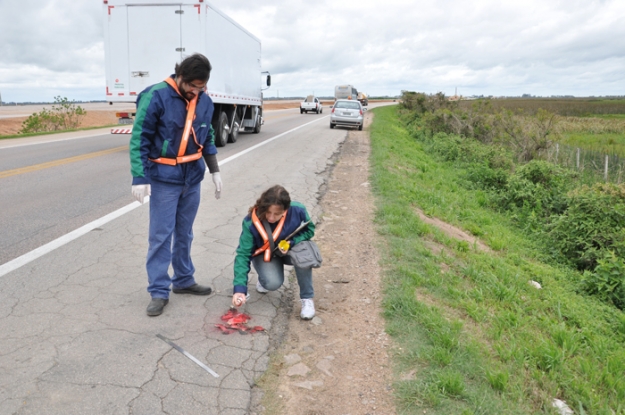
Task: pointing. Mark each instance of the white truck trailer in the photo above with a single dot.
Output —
(144, 39)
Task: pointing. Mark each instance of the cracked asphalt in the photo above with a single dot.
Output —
(75, 338)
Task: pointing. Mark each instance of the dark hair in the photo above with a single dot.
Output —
(194, 68)
(275, 195)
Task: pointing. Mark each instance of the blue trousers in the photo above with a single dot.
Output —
(172, 212)
(271, 275)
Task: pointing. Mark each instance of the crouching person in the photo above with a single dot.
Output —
(266, 238)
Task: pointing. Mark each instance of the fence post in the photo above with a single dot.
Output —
(557, 151)
(577, 158)
(605, 170)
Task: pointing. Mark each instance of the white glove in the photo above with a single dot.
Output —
(218, 184)
(140, 191)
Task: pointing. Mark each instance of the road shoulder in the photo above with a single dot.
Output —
(339, 361)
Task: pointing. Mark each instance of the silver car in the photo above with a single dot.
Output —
(347, 113)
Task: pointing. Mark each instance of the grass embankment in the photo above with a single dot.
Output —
(472, 335)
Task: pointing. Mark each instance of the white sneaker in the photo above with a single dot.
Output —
(260, 288)
(308, 309)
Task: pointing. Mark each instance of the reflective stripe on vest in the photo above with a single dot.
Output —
(188, 129)
(261, 230)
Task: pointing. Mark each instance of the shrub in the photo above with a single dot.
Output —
(425, 103)
(67, 113)
(45, 120)
(64, 115)
(477, 123)
(452, 147)
(607, 281)
(528, 136)
(448, 147)
(487, 178)
(538, 186)
(593, 223)
(441, 121)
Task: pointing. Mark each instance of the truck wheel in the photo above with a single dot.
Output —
(332, 125)
(317, 111)
(221, 129)
(360, 127)
(234, 133)
(301, 111)
(257, 126)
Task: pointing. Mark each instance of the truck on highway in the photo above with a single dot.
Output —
(311, 103)
(345, 92)
(364, 100)
(144, 39)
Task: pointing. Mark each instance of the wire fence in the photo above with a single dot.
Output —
(592, 166)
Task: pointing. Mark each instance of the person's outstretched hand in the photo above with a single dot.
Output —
(238, 299)
(140, 191)
(218, 184)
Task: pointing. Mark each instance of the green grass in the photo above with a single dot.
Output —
(609, 116)
(480, 339)
(603, 143)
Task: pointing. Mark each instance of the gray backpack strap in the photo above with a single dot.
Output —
(272, 243)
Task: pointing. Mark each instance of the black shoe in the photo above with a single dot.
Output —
(196, 289)
(156, 306)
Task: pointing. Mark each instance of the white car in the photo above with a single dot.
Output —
(347, 113)
(311, 103)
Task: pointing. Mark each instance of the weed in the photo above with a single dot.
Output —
(481, 319)
(497, 379)
(64, 115)
(450, 383)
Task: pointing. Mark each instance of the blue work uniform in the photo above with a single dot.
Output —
(175, 190)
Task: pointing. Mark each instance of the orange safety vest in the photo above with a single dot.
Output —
(261, 230)
(188, 129)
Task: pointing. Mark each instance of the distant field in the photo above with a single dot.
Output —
(578, 107)
(603, 133)
(592, 124)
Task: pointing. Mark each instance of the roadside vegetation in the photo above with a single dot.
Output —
(63, 116)
(474, 334)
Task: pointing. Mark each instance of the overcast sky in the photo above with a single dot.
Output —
(481, 47)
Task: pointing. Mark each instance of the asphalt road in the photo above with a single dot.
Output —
(52, 185)
(75, 337)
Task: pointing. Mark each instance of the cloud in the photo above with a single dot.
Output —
(482, 47)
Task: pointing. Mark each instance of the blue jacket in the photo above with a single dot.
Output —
(250, 240)
(157, 131)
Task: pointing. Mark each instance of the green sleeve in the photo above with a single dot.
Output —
(243, 255)
(142, 133)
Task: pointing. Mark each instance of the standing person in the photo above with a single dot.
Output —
(282, 216)
(172, 138)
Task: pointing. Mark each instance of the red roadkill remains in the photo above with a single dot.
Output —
(235, 321)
